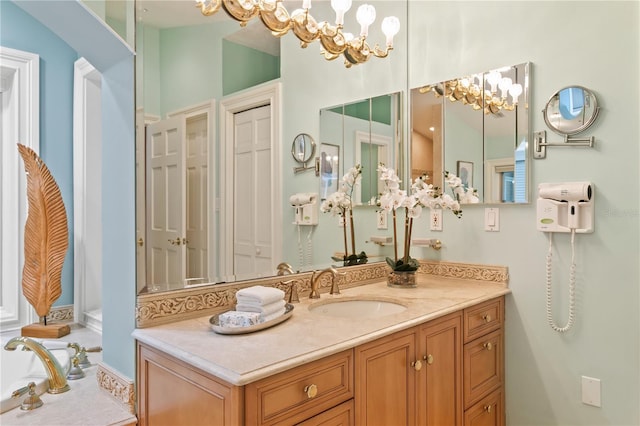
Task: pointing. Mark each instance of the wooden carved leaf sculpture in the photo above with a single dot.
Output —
(46, 236)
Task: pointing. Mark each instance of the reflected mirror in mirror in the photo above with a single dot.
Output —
(481, 121)
(369, 133)
(571, 110)
(303, 148)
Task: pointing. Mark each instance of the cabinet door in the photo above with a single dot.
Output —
(386, 381)
(483, 366)
(342, 415)
(487, 412)
(440, 384)
(172, 392)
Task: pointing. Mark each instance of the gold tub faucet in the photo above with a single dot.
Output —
(55, 373)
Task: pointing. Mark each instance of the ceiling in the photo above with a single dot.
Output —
(180, 13)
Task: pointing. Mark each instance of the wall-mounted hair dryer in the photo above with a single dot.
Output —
(305, 207)
(567, 206)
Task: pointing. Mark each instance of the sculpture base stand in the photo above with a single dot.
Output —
(49, 331)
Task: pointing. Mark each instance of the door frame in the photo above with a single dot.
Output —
(20, 84)
(264, 94)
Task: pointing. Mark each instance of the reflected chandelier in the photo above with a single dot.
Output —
(334, 41)
(469, 90)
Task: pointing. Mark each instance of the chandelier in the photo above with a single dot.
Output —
(480, 91)
(334, 41)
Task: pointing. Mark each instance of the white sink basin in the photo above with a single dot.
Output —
(357, 308)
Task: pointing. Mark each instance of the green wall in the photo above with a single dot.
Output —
(243, 67)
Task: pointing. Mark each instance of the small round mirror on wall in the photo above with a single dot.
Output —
(303, 148)
(571, 110)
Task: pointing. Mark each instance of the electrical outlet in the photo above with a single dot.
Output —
(435, 221)
(382, 219)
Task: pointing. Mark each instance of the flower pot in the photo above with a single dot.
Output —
(401, 279)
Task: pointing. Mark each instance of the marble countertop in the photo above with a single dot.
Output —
(84, 404)
(308, 336)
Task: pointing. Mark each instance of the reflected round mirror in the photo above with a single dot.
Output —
(303, 148)
(571, 110)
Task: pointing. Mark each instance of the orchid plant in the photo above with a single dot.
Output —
(423, 195)
(341, 203)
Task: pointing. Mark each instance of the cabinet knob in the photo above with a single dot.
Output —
(417, 365)
(487, 408)
(429, 359)
(311, 391)
(486, 318)
(488, 346)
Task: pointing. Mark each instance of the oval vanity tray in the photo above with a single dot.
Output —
(288, 311)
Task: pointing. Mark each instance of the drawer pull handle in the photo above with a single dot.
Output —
(486, 318)
(487, 408)
(429, 359)
(417, 365)
(488, 346)
(311, 391)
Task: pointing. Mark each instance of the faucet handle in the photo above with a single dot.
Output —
(292, 291)
(335, 287)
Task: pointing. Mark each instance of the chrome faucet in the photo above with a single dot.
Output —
(315, 282)
(55, 373)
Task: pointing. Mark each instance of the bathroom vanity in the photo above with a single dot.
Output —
(440, 361)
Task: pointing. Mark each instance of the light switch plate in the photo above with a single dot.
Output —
(492, 219)
(591, 391)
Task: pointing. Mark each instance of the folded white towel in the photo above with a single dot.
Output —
(274, 315)
(259, 294)
(264, 310)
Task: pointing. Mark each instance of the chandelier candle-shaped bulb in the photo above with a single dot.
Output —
(390, 27)
(515, 91)
(493, 78)
(504, 85)
(340, 7)
(306, 4)
(365, 16)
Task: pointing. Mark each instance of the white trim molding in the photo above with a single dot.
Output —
(20, 97)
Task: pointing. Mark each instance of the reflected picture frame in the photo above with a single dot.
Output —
(465, 173)
(329, 166)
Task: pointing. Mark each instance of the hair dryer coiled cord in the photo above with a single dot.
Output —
(572, 286)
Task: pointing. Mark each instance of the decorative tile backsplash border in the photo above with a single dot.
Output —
(161, 308)
(119, 387)
(60, 314)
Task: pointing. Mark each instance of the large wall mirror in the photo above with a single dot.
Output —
(188, 67)
(475, 126)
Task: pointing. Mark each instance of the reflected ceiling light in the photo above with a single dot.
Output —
(334, 41)
(480, 91)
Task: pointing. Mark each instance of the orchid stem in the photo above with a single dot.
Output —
(395, 238)
(344, 232)
(353, 236)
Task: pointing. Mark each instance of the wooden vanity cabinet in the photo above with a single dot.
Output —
(413, 377)
(174, 393)
(298, 394)
(484, 364)
(448, 371)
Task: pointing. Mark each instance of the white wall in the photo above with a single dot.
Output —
(594, 44)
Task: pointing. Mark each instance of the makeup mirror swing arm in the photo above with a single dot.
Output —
(540, 143)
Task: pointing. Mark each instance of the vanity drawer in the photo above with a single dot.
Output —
(483, 318)
(483, 367)
(489, 411)
(298, 394)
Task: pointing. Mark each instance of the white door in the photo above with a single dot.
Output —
(165, 204)
(197, 152)
(253, 242)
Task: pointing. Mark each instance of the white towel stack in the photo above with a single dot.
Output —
(267, 301)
